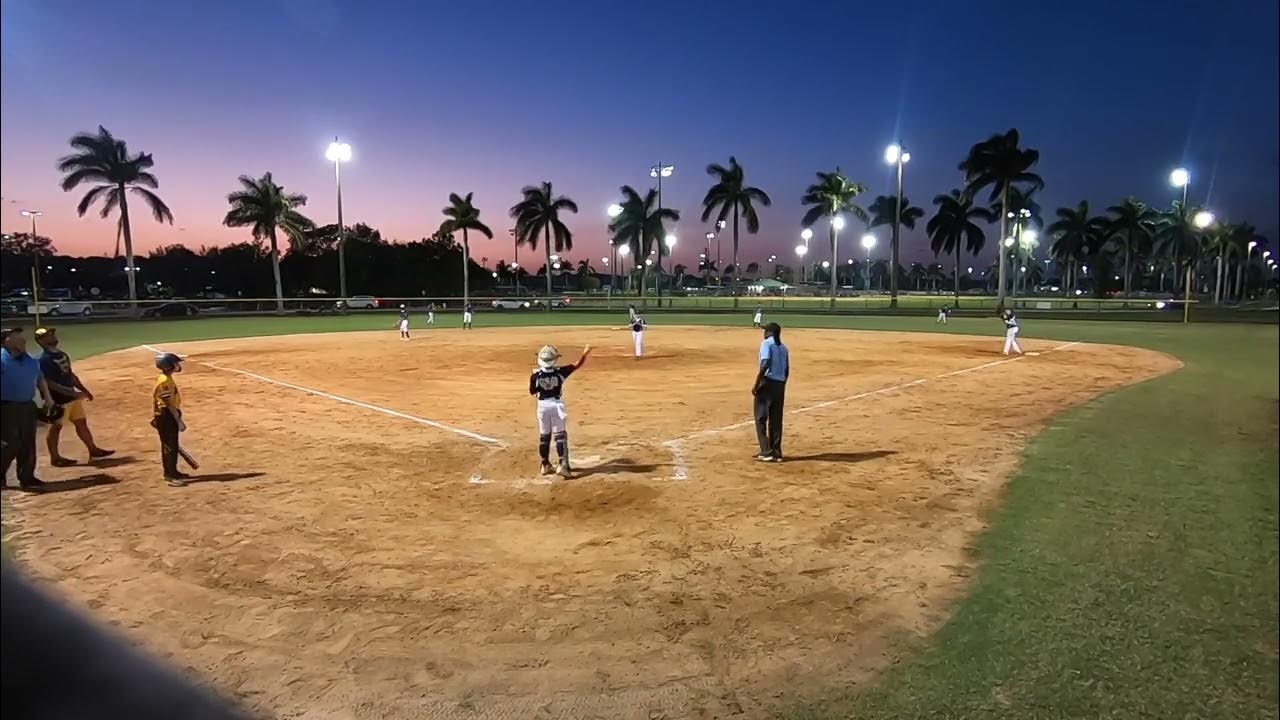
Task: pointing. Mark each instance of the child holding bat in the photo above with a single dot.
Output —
(166, 406)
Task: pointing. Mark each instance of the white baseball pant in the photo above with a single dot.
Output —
(638, 337)
(1011, 341)
(552, 417)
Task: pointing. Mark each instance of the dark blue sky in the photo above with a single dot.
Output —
(490, 96)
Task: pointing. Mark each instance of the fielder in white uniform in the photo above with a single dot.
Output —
(466, 317)
(1010, 332)
(404, 323)
(547, 384)
(637, 334)
(758, 320)
(431, 314)
(944, 312)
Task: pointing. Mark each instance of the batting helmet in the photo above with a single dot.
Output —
(548, 356)
(168, 362)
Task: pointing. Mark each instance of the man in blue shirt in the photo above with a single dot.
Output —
(19, 380)
(770, 391)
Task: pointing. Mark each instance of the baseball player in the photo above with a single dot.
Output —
(944, 312)
(547, 384)
(166, 407)
(404, 323)
(431, 313)
(70, 393)
(1010, 332)
(466, 316)
(637, 334)
(758, 320)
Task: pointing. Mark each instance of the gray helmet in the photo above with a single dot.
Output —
(168, 362)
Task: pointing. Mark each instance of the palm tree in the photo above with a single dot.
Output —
(538, 215)
(460, 214)
(954, 225)
(831, 195)
(707, 266)
(1134, 223)
(1179, 239)
(882, 210)
(641, 225)
(1077, 236)
(1000, 163)
(265, 207)
(105, 161)
(1239, 247)
(730, 194)
(753, 270)
(916, 275)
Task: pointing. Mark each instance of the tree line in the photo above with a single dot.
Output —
(1130, 239)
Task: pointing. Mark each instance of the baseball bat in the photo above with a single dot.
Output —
(190, 460)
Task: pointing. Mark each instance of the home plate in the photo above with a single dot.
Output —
(1033, 354)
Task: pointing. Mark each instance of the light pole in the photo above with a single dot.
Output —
(613, 211)
(338, 153)
(1028, 239)
(623, 251)
(802, 250)
(806, 235)
(719, 229)
(706, 271)
(1180, 178)
(868, 242)
(659, 171)
(35, 252)
(895, 155)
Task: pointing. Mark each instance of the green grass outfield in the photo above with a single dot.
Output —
(1131, 571)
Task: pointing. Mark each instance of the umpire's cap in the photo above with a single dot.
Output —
(168, 362)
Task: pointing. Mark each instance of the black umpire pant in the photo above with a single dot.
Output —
(167, 427)
(768, 413)
(18, 427)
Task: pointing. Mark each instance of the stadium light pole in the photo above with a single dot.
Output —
(613, 211)
(623, 251)
(837, 224)
(659, 171)
(868, 242)
(895, 155)
(35, 255)
(338, 153)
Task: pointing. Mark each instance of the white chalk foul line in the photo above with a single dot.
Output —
(348, 401)
(676, 445)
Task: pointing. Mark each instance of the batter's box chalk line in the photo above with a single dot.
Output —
(676, 446)
(477, 437)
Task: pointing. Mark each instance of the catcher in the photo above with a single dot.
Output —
(68, 391)
(166, 406)
(547, 384)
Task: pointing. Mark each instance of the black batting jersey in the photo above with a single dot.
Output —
(404, 314)
(1010, 321)
(548, 383)
(637, 324)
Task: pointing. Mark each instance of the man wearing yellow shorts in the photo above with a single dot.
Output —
(67, 391)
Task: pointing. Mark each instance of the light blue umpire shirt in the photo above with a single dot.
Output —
(19, 376)
(779, 360)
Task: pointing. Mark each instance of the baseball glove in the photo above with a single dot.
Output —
(50, 413)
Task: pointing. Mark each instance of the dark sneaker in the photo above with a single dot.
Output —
(98, 453)
(546, 468)
(62, 462)
(34, 485)
(174, 481)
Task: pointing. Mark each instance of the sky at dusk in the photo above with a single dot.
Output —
(491, 96)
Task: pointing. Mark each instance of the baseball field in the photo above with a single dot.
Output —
(1087, 530)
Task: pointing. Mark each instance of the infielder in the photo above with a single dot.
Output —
(466, 317)
(68, 391)
(404, 323)
(758, 320)
(637, 334)
(166, 406)
(431, 313)
(1010, 332)
(944, 312)
(547, 383)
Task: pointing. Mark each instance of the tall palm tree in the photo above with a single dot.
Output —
(882, 210)
(954, 225)
(1076, 236)
(1134, 224)
(1179, 239)
(641, 226)
(105, 161)
(1239, 247)
(538, 216)
(831, 195)
(461, 215)
(1000, 163)
(265, 207)
(730, 194)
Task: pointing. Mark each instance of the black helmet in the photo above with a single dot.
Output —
(168, 362)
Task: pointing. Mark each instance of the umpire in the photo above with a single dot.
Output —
(770, 391)
(20, 378)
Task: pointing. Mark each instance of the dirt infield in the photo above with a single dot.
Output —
(401, 558)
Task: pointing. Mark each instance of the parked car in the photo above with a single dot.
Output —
(171, 309)
(511, 304)
(360, 302)
(13, 306)
(560, 302)
(65, 307)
